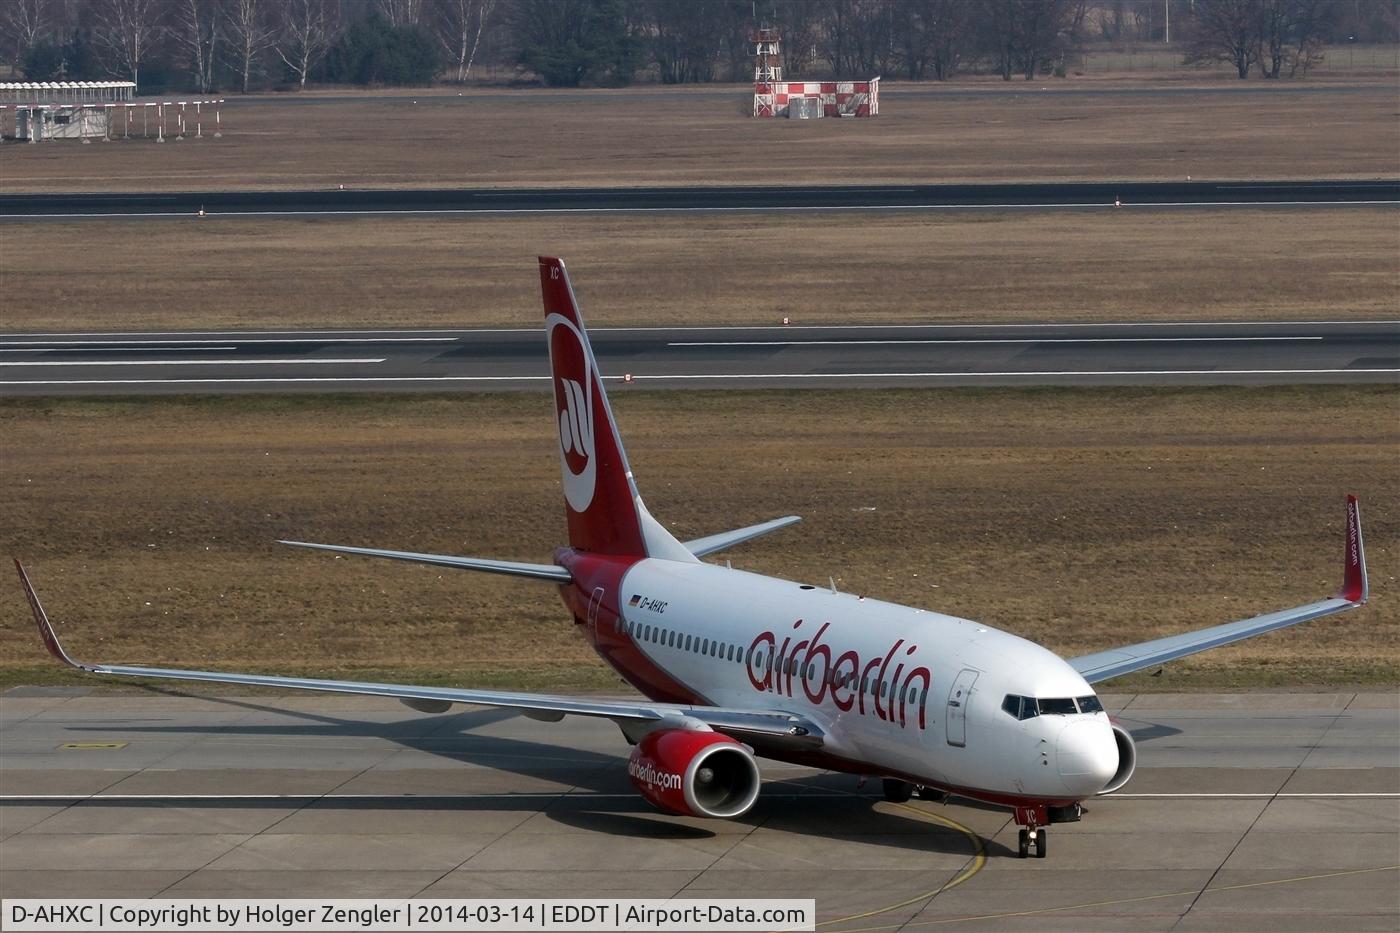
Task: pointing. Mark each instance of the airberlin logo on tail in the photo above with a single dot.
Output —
(573, 396)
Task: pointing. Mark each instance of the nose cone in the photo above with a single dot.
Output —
(1087, 756)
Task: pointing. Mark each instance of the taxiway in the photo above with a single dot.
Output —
(1253, 811)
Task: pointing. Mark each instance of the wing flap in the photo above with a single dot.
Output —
(727, 539)
(551, 572)
(772, 724)
(1116, 662)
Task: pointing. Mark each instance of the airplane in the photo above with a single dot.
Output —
(733, 665)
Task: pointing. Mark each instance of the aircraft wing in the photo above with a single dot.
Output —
(1129, 658)
(763, 725)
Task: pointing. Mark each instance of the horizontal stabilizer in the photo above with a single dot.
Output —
(552, 572)
(727, 539)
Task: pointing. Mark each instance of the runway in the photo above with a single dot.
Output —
(498, 201)
(708, 357)
(1248, 812)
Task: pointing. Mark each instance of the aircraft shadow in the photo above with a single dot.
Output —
(597, 796)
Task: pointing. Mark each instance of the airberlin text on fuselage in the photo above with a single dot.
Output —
(845, 678)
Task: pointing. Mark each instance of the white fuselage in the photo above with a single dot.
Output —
(907, 691)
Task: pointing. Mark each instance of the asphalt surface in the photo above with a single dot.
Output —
(705, 357)
(1056, 195)
(1248, 812)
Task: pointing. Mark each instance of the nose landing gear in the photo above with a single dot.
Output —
(1037, 837)
(1032, 820)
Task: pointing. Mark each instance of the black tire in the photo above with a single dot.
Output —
(898, 791)
(1024, 843)
(1042, 841)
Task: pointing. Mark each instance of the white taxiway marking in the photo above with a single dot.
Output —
(188, 362)
(191, 342)
(994, 340)
(97, 798)
(962, 375)
(46, 347)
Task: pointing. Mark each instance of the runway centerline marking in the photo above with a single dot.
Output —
(991, 340)
(308, 362)
(969, 374)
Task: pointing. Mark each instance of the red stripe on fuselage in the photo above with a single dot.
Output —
(601, 625)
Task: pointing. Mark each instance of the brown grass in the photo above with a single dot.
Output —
(671, 136)
(726, 269)
(1080, 518)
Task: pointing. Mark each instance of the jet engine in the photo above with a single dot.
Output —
(695, 773)
(1127, 759)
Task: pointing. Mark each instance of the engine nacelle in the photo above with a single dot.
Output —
(1127, 759)
(695, 773)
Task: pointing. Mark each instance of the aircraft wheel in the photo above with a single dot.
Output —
(898, 791)
(1024, 843)
(1042, 840)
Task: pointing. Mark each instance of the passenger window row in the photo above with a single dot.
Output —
(670, 638)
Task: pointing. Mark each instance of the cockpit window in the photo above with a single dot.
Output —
(1030, 707)
(1020, 707)
(1057, 706)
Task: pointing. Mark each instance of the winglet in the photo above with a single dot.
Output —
(1354, 586)
(46, 631)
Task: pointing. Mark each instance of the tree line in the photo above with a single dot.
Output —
(209, 45)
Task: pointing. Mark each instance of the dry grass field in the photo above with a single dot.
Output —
(706, 269)
(965, 131)
(1081, 518)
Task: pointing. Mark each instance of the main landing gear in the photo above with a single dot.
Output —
(901, 791)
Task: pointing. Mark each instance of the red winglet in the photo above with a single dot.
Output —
(1354, 586)
(46, 631)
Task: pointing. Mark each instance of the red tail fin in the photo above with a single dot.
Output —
(605, 513)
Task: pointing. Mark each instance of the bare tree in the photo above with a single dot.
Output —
(1314, 18)
(801, 24)
(250, 34)
(400, 12)
(23, 24)
(947, 26)
(684, 36)
(124, 31)
(307, 29)
(1227, 31)
(1290, 31)
(997, 32)
(195, 30)
(459, 27)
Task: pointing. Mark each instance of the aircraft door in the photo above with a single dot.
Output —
(957, 707)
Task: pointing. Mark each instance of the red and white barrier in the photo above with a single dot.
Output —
(836, 98)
